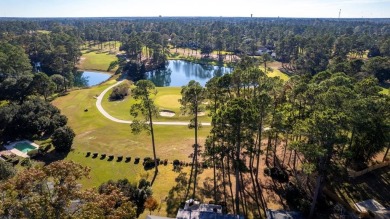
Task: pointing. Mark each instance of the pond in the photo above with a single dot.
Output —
(91, 78)
(178, 73)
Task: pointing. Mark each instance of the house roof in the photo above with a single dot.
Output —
(282, 214)
(369, 205)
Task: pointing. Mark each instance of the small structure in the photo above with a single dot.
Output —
(282, 214)
(37, 66)
(194, 210)
(373, 208)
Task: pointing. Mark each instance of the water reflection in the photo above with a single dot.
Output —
(161, 77)
(90, 78)
(179, 73)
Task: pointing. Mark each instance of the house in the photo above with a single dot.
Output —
(262, 50)
(373, 208)
(194, 210)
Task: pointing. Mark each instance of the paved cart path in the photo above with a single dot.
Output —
(108, 116)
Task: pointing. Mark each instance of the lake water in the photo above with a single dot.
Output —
(178, 73)
(94, 78)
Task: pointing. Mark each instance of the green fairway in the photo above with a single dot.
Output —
(96, 61)
(278, 73)
(166, 99)
(95, 133)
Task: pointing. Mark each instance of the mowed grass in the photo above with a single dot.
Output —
(96, 61)
(275, 72)
(278, 73)
(95, 133)
(385, 91)
(167, 98)
(104, 170)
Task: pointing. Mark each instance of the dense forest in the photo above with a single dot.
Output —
(330, 115)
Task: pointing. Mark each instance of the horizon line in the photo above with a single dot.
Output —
(161, 16)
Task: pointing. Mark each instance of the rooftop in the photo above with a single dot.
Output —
(194, 210)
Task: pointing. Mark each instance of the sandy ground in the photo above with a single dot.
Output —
(167, 114)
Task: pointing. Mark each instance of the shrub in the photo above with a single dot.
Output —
(15, 161)
(103, 156)
(119, 159)
(88, 154)
(110, 157)
(26, 162)
(6, 170)
(166, 162)
(95, 155)
(33, 153)
(45, 148)
(176, 162)
(128, 159)
(149, 164)
(62, 139)
(119, 92)
(136, 160)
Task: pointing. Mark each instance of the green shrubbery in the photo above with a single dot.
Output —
(33, 153)
(120, 92)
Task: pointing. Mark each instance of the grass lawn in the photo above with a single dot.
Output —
(95, 133)
(166, 98)
(275, 72)
(385, 91)
(278, 73)
(103, 170)
(43, 31)
(96, 61)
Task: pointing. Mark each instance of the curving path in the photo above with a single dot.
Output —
(108, 116)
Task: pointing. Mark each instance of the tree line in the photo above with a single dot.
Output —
(301, 45)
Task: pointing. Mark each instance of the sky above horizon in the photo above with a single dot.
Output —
(214, 8)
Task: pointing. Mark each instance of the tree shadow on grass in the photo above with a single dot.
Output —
(176, 195)
(51, 156)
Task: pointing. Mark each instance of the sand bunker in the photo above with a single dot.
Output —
(167, 113)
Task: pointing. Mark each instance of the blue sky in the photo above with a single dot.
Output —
(225, 8)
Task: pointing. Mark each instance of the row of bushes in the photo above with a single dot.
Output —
(110, 157)
(182, 163)
(148, 162)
